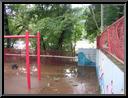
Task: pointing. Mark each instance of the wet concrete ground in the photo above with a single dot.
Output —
(66, 79)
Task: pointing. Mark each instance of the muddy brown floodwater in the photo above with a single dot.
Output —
(55, 79)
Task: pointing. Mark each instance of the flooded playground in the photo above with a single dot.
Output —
(55, 79)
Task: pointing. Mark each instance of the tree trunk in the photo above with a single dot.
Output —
(60, 42)
(43, 42)
(74, 50)
(6, 28)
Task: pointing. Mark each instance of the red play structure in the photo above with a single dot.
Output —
(27, 36)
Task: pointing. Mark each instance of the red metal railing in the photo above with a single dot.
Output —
(111, 40)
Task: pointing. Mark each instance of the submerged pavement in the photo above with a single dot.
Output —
(55, 79)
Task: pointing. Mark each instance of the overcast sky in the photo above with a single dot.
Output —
(79, 5)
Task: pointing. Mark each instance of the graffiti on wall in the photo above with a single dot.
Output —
(105, 89)
(101, 79)
(84, 60)
(109, 88)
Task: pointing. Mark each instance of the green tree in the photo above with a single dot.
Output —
(58, 24)
(6, 26)
(92, 22)
(17, 20)
(112, 12)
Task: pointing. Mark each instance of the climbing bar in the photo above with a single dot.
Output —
(27, 60)
(20, 36)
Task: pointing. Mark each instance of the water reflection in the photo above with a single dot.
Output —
(22, 69)
(75, 76)
(70, 72)
(79, 89)
(81, 71)
(73, 72)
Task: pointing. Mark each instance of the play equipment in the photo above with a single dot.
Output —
(52, 57)
(27, 36)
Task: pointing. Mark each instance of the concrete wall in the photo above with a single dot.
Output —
(111, 78)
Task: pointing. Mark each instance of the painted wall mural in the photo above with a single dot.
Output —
(86, 57)
(101, 79)
(111, 78)
(83, 60)
(109, 88)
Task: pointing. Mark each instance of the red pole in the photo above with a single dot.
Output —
(38, 55)
(27, 59)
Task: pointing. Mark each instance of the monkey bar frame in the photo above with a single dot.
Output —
(27, 36)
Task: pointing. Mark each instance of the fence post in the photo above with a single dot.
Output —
(27, 59)
(97, 42)
(38, 55)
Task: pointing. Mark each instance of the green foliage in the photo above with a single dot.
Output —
(53, 29)
(62, 25)
(90, 26)
(111, 13)
(59, 22)
(115, 12)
